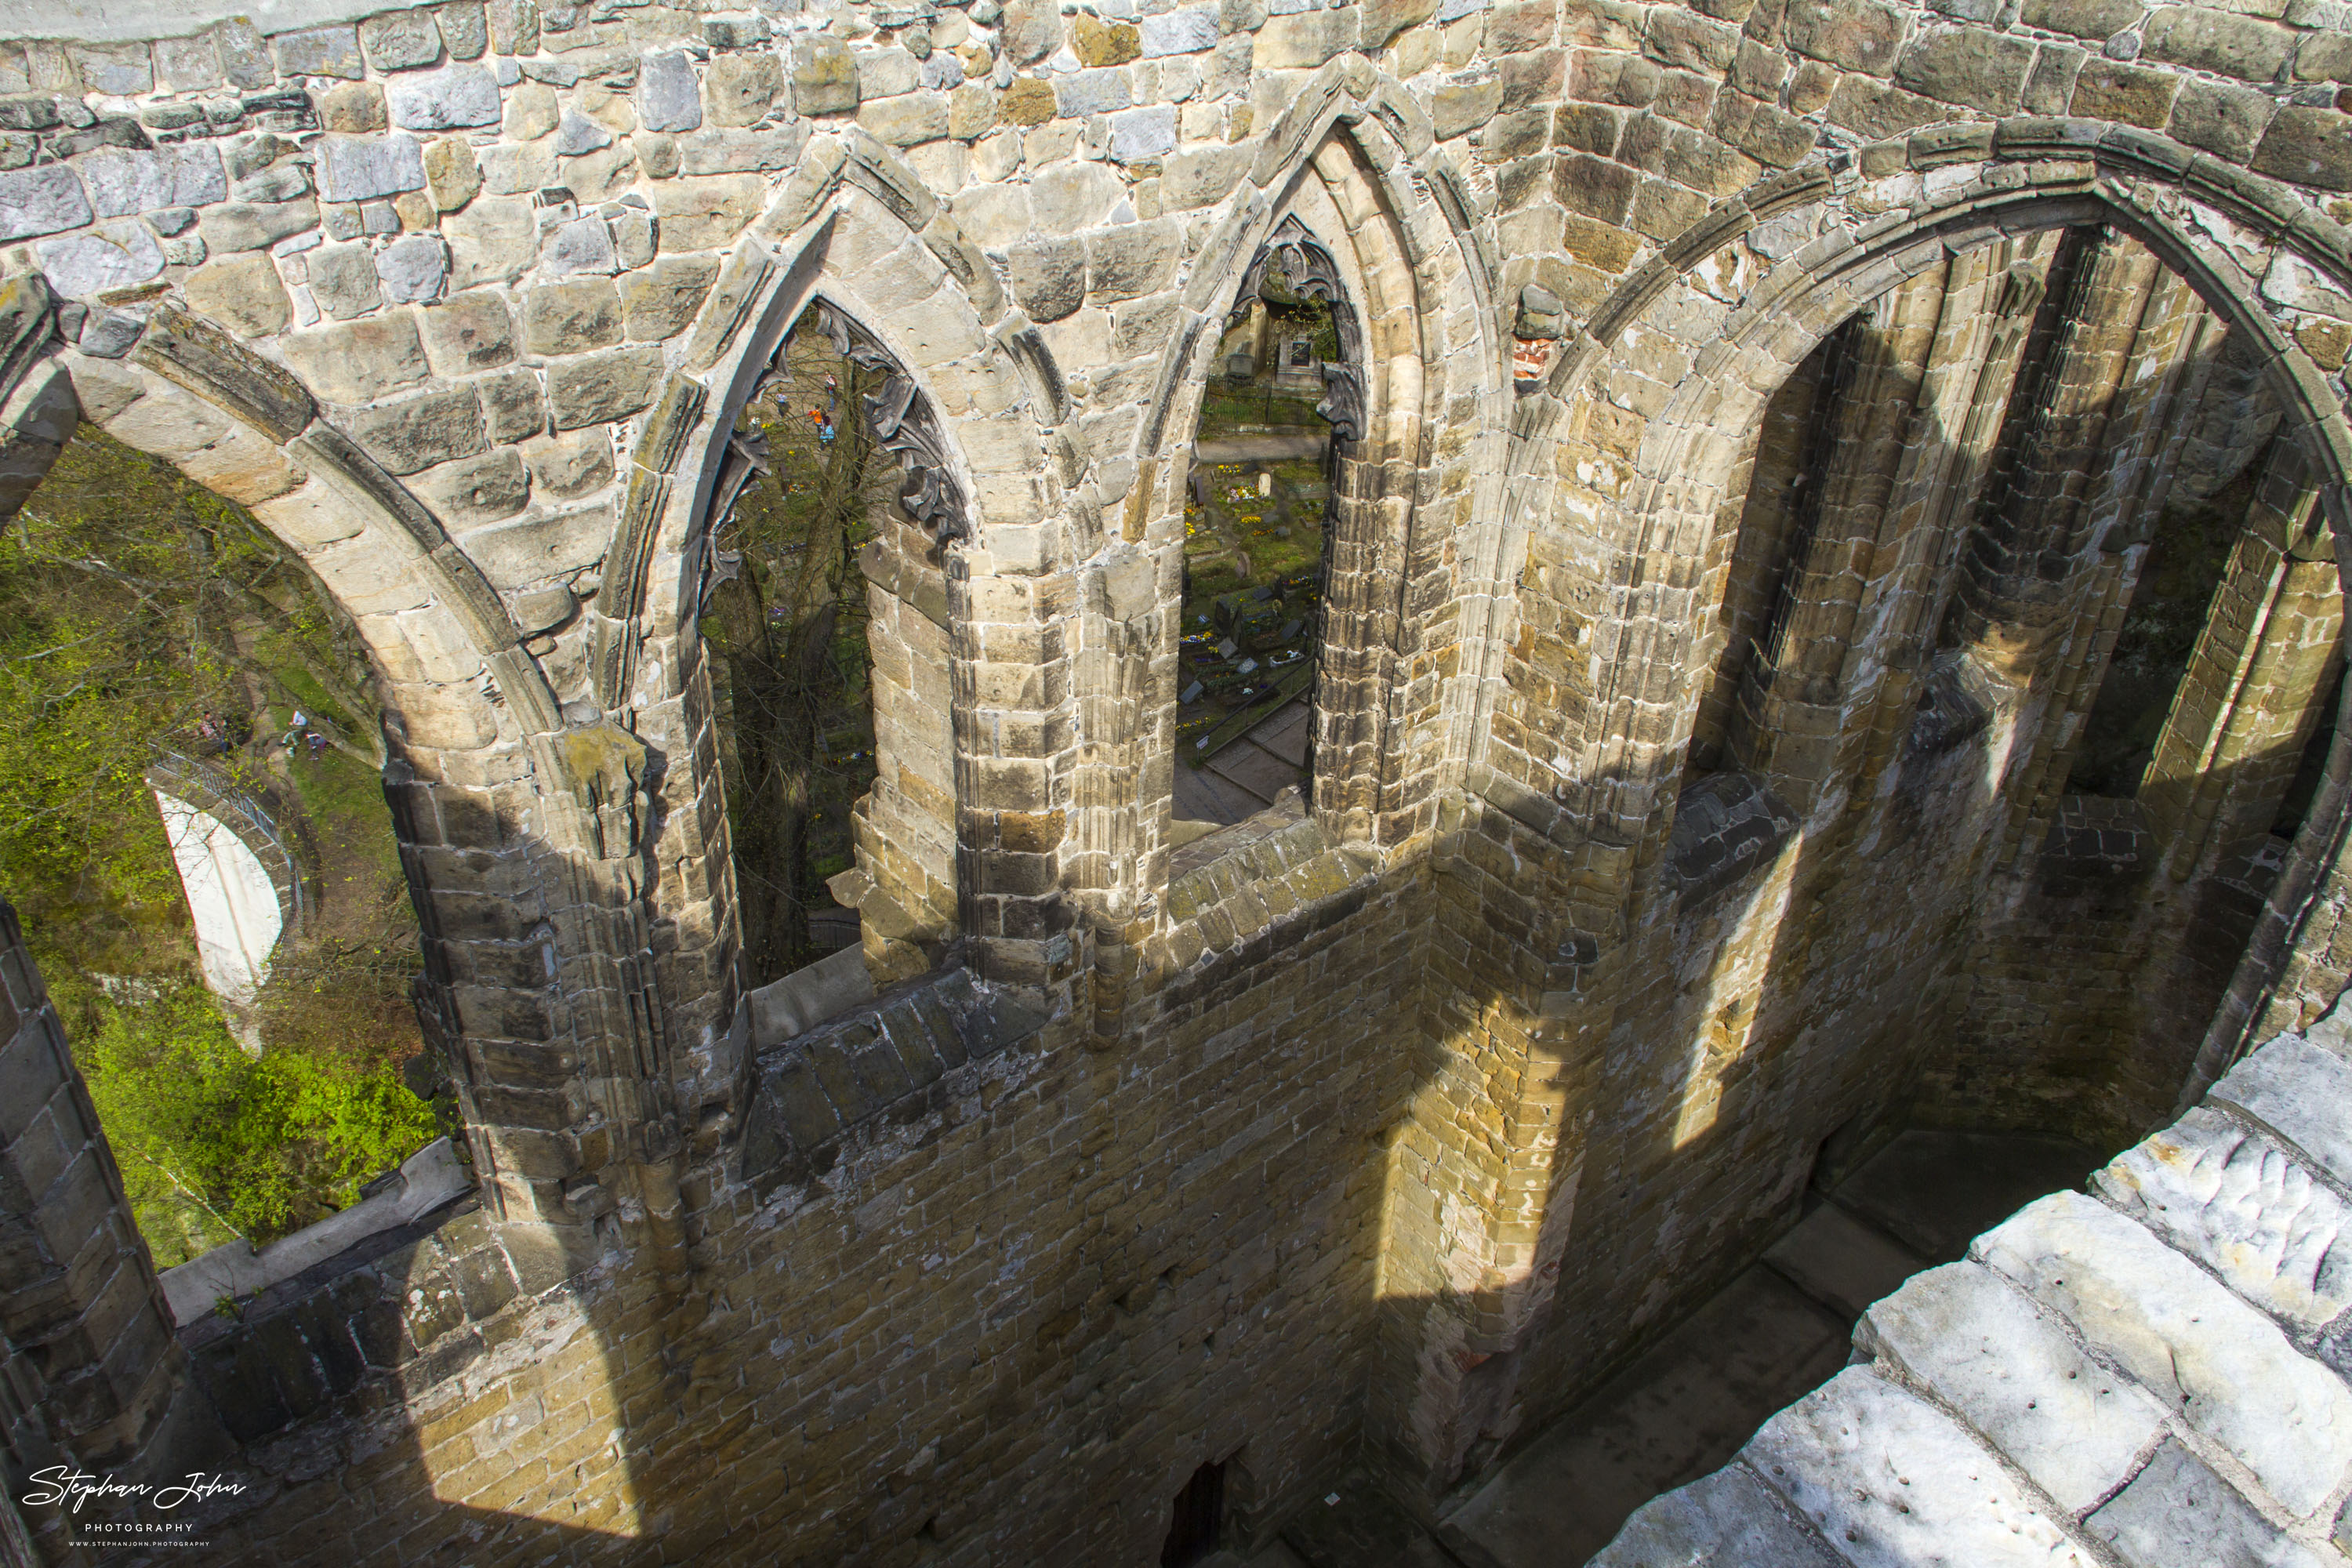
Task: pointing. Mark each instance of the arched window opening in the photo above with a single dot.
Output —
(1283, 400)
(784, 620)
(823, 615)
(193, 828)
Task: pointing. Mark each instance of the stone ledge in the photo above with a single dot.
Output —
(1231, 891)
(1727, 825)
(429, 1180)
(891, 1061)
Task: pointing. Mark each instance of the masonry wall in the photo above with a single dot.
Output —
(1370, 1137)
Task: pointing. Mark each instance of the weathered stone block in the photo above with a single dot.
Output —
(40, 201)
(1895, 1480)
(114, 255)
(1131, 261)
(359, 362)
(1718, 1521)
(359, 169)
(660, 300)
(1143, 135)
(1859, 35)
(568, 317)
(412, 268)
(453, 98)
(464, 28)
(2246, 47)
(2015, 1377)
(1091, 92)
(353, 107)
(570, 465)
(583, 245)
(2286, 1086)
(471, 332)
(668, 96)
(2177, 1511)
(252, 225)
(1458, 107)
(242, 293)
(1027, 101)
(1970, 65)
(2239, 1203)
(824, 75)
(741, 87)
(2130, 94)
(451, 173)
(513, 406)
(491, 241)
(400, 40)
(184, 65)
(2309, 146)
(532, 110)
(319, 51)
(121, 180)
(519, 171)
(342, 279)
(907, 121)
(575, 133)
(1049, 277)
(705, 214)
(594, 389)
(414, 433)
(1200, 177)
(2192, 1343)
(1304, 39)
(478, 490)
(2099, 19)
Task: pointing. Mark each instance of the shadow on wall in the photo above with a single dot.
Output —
(440, 1396)
(1809, 953)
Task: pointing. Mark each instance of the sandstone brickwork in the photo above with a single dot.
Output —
(1365, 1134)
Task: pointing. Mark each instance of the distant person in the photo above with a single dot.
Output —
(295, 728)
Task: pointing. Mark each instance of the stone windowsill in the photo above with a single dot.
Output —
(428, 1181)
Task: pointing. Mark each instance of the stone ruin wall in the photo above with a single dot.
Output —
(1372, 1141)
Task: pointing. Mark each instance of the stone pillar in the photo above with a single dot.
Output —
(904, 885)
(2017, 587)
(2250, 697)
(96, 1377)
(1786, 729)
(2137, 447)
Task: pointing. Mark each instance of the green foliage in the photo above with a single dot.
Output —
(133, 603)
(213, 1143)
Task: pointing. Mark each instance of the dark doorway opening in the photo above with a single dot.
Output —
(1200, 1513)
